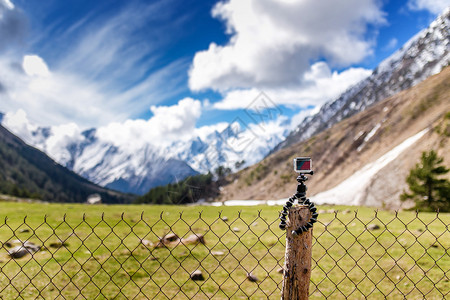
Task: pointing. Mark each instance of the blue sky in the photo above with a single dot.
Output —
(93, 63)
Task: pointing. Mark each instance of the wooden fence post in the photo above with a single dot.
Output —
(297, 267)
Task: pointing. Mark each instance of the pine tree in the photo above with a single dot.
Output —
(427, 189)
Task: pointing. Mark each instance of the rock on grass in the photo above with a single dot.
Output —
(251, 277)
(197, 275)
(373, 227)
(24, 249)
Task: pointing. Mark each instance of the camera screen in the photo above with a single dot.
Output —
(303, 164)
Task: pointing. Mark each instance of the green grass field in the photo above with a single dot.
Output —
(407, 257)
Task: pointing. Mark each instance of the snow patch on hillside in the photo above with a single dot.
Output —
(352, 191)
(369, 136)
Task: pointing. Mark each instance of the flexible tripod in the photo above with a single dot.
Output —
(301, 196)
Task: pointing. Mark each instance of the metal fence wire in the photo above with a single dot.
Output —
(384, 255)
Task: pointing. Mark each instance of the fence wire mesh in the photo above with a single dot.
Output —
(390, 256)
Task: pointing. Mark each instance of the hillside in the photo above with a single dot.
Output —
(348, 146)
(28, 172)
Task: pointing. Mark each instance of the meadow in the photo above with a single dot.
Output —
(96, 252)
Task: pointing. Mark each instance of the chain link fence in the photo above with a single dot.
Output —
(384, 255)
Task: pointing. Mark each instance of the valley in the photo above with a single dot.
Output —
(405, 94)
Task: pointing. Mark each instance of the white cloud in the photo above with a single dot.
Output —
(61, 137)
(178, 120)
(18, 123)
(273, 42)
(167, 125)
(434, 6)
(320, 84)
(34, 65)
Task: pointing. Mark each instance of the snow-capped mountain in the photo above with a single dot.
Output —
(132, 170)
(140, 165)
(425, 54)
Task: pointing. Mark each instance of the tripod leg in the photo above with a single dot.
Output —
(284, 213)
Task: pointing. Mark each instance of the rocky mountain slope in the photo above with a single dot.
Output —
(28, 172)
(355, 143)
(425, 54)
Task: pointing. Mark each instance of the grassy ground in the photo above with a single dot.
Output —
(104, 259)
